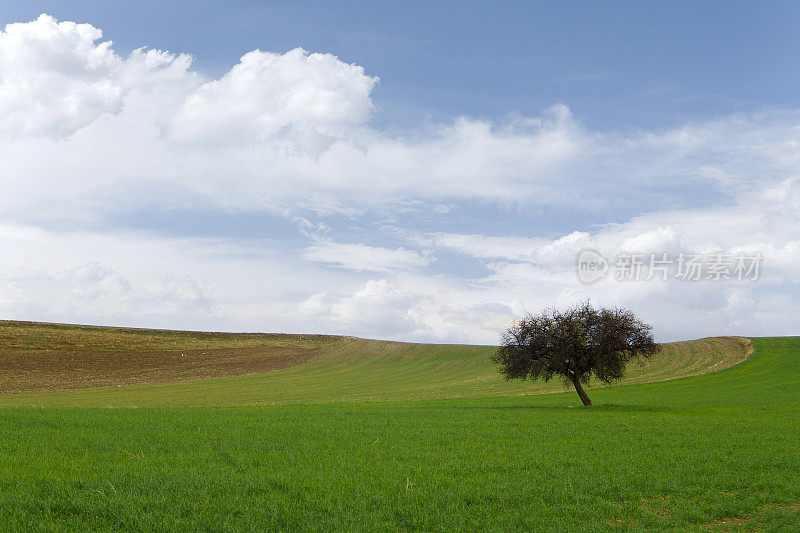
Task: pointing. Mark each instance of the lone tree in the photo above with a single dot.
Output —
(574, 344)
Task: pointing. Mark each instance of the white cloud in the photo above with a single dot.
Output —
(93, 290)
(387, 307)
(483, 246)
(89, 136)
(139, 279)
(539, 250)
(55, 78)
(312, 97)
(765, 220)
(363, 258)
(280, 131)
(413, 308)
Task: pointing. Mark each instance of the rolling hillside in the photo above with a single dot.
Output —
(83, 366)
(713, 452)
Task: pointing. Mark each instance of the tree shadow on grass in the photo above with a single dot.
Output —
(602, 408)
(525, 403)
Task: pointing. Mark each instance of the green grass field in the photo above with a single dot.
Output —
(330, 369)
(363, 443)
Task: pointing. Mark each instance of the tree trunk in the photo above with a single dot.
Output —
(582, 393)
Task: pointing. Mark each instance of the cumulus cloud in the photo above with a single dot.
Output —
(413, 309)
(140, 279)
(266, 95)
(55, 78)
(91, 137)
(387, 306)
(543, 273)
(97, 293)
(764, 220)
(285, 130)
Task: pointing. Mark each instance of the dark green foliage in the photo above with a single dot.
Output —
(574, 344)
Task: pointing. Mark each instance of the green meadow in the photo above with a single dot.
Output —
(338, 369)
(419, 438)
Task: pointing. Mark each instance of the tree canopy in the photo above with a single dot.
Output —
(574, 344)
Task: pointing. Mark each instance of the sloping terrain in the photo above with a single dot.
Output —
(41, 356)
(59, 365)
(713, 452)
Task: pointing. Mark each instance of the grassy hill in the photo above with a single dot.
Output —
(113, 367)
(715, 451)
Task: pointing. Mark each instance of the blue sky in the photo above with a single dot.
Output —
(420, 172)
(617, 65)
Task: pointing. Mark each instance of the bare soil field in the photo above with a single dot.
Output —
(36, 356)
